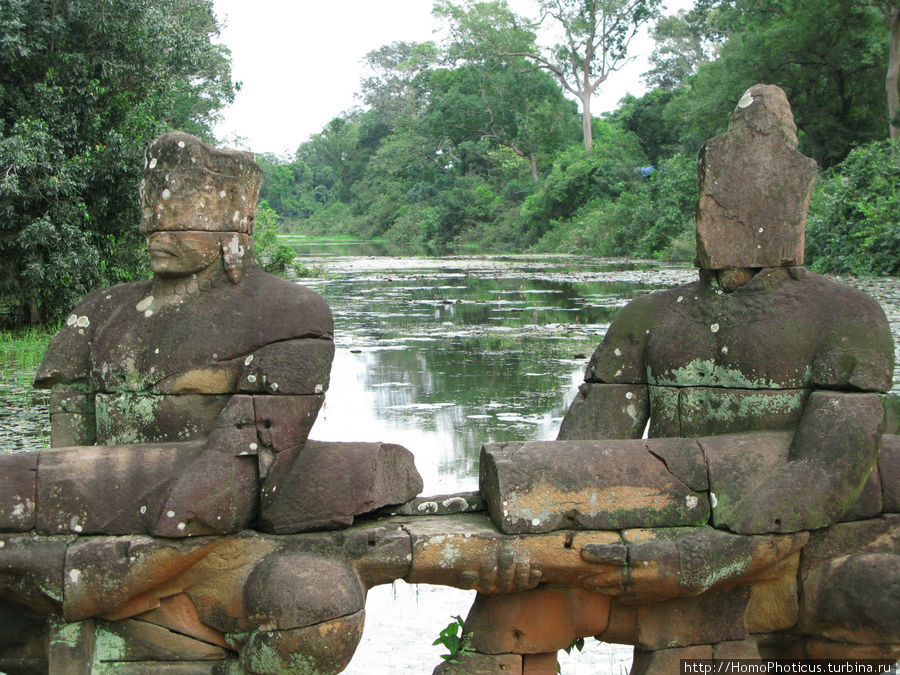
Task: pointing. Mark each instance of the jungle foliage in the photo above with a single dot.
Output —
(471, 144)
(84, 86)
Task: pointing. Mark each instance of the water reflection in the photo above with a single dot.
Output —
(442, 355)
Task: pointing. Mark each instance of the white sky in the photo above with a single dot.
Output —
(300, 62)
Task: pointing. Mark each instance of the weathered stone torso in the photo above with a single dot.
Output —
(716, 362)
(157, 375)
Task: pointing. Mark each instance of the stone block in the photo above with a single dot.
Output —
(755, 337)
(283, 422)
(665, 402)
(190, 185)
(869, 504)
(104, 574)
(130, 417)
(622, 627)
(771, 482)
(539, 664)
(545, 486)
(736, 649)
(133, 640)
(853, 599)
(668, 661)
(755, 187)
(862, 536)
(72, 420)
(178, 613)
(683, 459)
(217, 491)
(468, 552)
(711, 617)
(324, 648)
(71, 646)
(26, 654)
(107, 489)
(290, 367)
(473, 663)
(710, 411)
(891, 404)
(328, 484)
(293, 590)
(31, 571)
(380, 553)
(67, 429)
(545, 619)
(18, 479)
(667, 563)
(606, 411)
(774, 600)
(889, 473)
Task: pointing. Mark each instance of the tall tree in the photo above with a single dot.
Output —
(684, 41)
(828, 55)
(489, 95)
(596, 37)
(391, 89)
(84, 86)
(892, 79)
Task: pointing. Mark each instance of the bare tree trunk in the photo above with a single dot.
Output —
(35, 313)
(533, 160)
(586, 120)
(893, 72)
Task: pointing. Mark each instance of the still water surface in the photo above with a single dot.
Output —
(441, 355)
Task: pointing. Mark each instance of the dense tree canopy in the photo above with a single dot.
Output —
(472, 142)
(84, 86)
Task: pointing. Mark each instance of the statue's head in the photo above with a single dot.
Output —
(755, 189)
(197, 205)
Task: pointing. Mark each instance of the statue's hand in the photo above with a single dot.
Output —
(506, 573)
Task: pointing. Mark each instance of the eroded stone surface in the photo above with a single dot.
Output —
(543, 620)
(606, 411)
(790, 482)
(540, 487)
(328, 484)
(754, 187)
(18, 493)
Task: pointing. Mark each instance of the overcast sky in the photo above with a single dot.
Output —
(300, 62)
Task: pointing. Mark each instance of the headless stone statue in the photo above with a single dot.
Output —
(728, 411)
(775, 370)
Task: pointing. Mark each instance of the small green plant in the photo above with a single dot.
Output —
(577, 643)
(453, 639)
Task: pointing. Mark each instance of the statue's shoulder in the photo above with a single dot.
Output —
(621, 356)
(856, 350)
(67, 359)
(287, 307)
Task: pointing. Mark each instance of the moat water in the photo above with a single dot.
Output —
(441, 355)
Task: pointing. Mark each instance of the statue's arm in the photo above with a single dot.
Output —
(782, 482)
(614, 401)
(256, 439)
(65, 370)
(72, 418)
